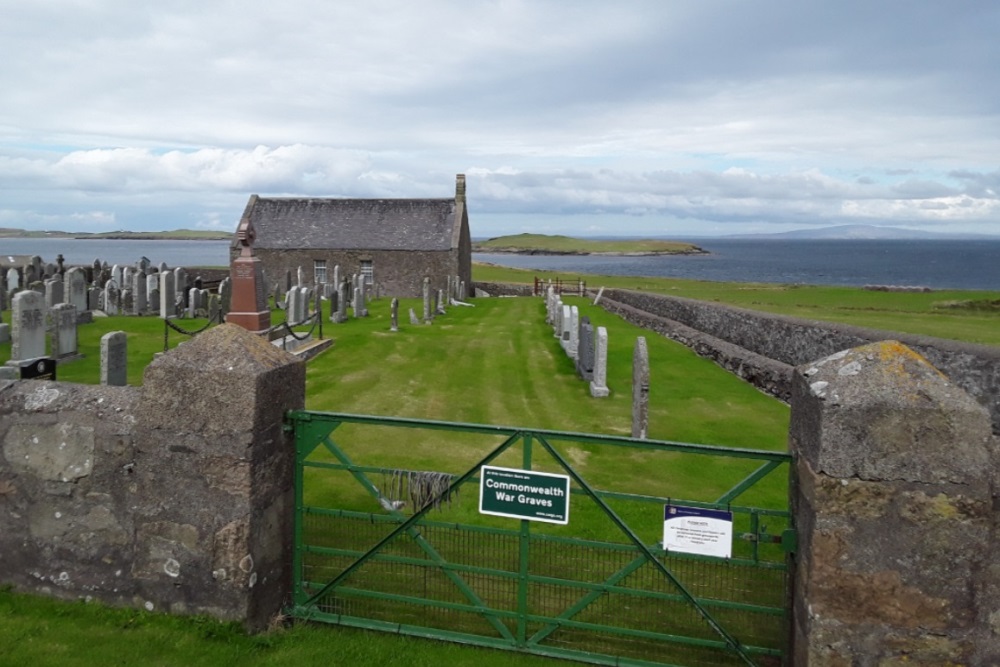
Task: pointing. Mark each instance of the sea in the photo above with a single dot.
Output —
(938, 264)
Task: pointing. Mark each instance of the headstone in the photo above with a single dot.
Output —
(167, 294)
(585, 350)
(357, 305)
(341, 312)
(4, 333)
(413, 317)
(640, 389)
(225, 295)
(288, 280)
(573, 341)
(427, 300)
(564, 323)
(163, 269)
(336, 276)
(127, 272)
(152, 283)
(114, 359)
(181, 283)
(363, 297)
(75, 285)
(599, 385)
(214, 307)
(111, 298)
(116, 274)
(94, 298)
(128, 303)
(439, 306)
(13, 279)
(394, 315)
(140, 298)
(64, 341)
(28, 322)
(54, 293)
(144, 264)
(300, 277)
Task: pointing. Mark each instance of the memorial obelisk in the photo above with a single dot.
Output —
(249, 301)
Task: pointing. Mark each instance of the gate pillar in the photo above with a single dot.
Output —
(895, 499)
(215, 467)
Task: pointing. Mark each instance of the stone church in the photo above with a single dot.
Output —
(393, 243)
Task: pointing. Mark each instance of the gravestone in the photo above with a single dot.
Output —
(140, 298)
(640, 389)
(300, 277)
(64, 340)
(163, 268)
(439, 307)
(4, 333)
(94, 295)
(214, 307)
(111, 298)
(127, 302)
(194, 302)
(363, 297)
(152, 283)
(144, 264)
(28, 326)
(336, 276)
(341, 314)
(114, 359)
(585, 350)
(54, 293)
(181, 283)
(249, 302)
(573, 341)
(427, 300)
(599, 385)
(394, 315)
(413, 317)
(167, 294)
(13, 279)
(225, 295)
(76, 288)
(116, 274)
(357, 305)
(564, 325)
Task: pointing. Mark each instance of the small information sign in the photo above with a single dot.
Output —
(41, 368)
(694, 530)
(524, 494)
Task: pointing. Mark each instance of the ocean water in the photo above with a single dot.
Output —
(938, 264)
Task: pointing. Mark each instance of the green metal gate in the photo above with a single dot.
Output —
(389, 536)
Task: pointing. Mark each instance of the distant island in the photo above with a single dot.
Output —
(862, 232)
(172, 235)
(542, 244)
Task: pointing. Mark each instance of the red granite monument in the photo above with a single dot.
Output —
(249, 302)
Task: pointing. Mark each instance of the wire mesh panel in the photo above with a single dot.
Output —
(408, 550)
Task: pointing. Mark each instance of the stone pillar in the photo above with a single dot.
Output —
(640, 389)
(222, 544)
(394, 315)
(427, 300)
(599, 385)
(167, 295)
(897, 506)
(573, 342)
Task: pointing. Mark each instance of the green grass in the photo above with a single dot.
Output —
(967, 315)
(566, 244)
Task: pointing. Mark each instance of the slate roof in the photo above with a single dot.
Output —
(353, 224)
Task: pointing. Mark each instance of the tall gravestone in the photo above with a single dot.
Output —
(585, 350)
(54, 292)
(640, 389)
(394, 315)
(249, 304)
(28, 326)
(599, 385)
(114, 359)
(76, 287)
(167, 294)
(64, 338)
(139, 297)
(427, 300)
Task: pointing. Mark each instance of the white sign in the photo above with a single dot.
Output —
(693, 530)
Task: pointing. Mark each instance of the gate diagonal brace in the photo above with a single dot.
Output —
(731, 641)
(407, 525)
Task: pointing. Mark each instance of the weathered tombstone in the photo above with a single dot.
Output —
(167, 294)
(640, 389)
(116, 274)
(427, 300)
(64, 340)
(76, 288)
(4, 333)
(599, 385)
(140, 299)
(318, 301)
(357, 305)
(573, 341)
(565, 322)
(94, 295)
(152, 283)
(114, 359)
(341, 311)
(181, 283)
(413, 317)
(194, 302)
(585, 350)
(225, 295)
(13, 279)
(127, 272)
(363, 297)
(336, 276)
(288, 280)
(394, 315)
(54, 293)
(128, 303)
(439, 305)
(111, 297)
(214, 307)
(163, 269)
(28, 326)
(144, 264)
(300, 277)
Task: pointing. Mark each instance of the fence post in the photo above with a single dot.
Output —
(895, 501)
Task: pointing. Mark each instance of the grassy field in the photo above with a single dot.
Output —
(566, 244)
(968, 315)
(496, 363)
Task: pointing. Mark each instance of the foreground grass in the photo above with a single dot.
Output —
(966, 315)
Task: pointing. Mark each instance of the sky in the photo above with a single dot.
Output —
(586, 118)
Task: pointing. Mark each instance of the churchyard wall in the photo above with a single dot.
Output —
(142, 497)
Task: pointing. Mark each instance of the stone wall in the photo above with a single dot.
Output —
(144, 497)
(398, 273)
(763, 347)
